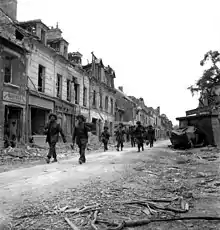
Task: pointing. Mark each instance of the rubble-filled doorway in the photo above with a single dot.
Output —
(38, 120)
(13, 123)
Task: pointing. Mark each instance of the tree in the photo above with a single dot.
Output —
(209, 78)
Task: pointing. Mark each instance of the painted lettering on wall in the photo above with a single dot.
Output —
(12, 97)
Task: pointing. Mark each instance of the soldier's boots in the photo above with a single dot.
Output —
(48, 160)
(82, 161)
(117, 149)
(53, 161)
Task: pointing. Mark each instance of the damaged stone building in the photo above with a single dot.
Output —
(125, 109)
(55, 83)
(55, 80)
(13, 78)
(40, 76)
(101, 94)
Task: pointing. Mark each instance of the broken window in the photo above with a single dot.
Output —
(19, 35)
(100, 105)
(112, 106)
(106, 103)
(112, 82)
(59, 85)
(99, 74)
(41, 78)
(84, 96)
(55, 46)
(43, 36)
(68, 89)
(76, 90)
(65, 51)
(96, 71)
(107, 79)
(115, 111)
(8, 70)
(94, 98)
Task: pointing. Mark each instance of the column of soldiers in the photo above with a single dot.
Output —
(140, 135)
(137, 135)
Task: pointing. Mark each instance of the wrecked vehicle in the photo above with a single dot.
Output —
(187, 137)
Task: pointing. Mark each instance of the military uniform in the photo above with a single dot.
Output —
(151, 135)
(105, 138)
(139, 136)
(52, 130)
(132, 134)
(120, 133)
(80, 134)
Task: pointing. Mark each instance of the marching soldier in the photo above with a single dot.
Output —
(80, 135)
(151, 135)
(52, 130)
(105, 138)
(120, 133)
(139, 136)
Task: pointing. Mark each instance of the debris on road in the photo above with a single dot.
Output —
(71, 224)
(149, 192)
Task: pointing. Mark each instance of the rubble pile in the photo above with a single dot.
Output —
(33, 152)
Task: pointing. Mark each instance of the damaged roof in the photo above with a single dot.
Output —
(125, 96)
(33, 22)
(56, 40)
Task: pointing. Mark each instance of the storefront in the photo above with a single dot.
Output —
(38, 111)
(14, 116)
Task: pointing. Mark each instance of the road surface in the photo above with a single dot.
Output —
(50, 179)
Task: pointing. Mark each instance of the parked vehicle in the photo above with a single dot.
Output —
(185, 137)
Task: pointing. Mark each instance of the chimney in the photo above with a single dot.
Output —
(121, 88)
(9, 7)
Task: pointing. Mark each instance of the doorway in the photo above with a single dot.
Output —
(13, 123)
(94, 122)
(38, 120)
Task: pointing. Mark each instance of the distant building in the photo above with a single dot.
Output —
(126, 108)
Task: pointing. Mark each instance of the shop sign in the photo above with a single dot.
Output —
(40, 102)
(12, 97)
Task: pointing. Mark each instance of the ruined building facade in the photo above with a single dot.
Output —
(101, 94)
(47, 79)
(55, 83)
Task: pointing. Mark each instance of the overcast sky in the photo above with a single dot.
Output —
(155, 46)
